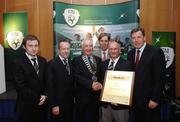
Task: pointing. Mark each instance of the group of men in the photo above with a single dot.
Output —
(71, 89)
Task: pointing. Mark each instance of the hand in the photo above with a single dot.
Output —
(152, 104)
(96, 86)
(115, 104)
(55, 110)
(42, 100)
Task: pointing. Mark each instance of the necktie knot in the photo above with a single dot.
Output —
(91, 63)
(137, 57)
(35, 65)
(65, 62)
(111, 66)
(67, 65)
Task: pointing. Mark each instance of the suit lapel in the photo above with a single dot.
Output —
(40, 63)
(144, 55)
(119, 65)
(61, 65)
(83, 63)
(28, 63)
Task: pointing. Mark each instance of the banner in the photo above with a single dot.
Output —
(15, 26)
(76, 22)
(166, 41)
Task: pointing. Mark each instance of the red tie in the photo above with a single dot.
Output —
(137, 56)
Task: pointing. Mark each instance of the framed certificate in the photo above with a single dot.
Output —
(118, 87)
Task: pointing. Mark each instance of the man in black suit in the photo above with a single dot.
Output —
(29, 75)
(112, 112)
(87, 81)
(148, 63)
(60, 85)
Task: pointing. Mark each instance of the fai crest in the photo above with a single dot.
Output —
(14, 39)
(71, 16)
(169, 55)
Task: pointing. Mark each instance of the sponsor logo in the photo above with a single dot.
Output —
(15, 39)
(169, 55)
(71, 16)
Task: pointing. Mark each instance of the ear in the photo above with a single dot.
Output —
(144, 39)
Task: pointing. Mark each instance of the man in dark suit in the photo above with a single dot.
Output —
(112, 112)
(87, 81)
(60, 85)
(28, 72)
(148, 63)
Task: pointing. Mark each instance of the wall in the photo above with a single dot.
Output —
(156, 15)
(162, 15)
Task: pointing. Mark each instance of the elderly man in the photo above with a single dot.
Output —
(87, 81)
(112, 112)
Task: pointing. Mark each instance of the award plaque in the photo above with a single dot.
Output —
(118, 87)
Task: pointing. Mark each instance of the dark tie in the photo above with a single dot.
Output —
(35, 65)
(137, 57)
(91, 64)
(111, 66)
(67, 65)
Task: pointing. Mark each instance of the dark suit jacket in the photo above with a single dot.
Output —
(60, 84)
(149, 75)
(28, 84)
(83, 79)
(121, 65)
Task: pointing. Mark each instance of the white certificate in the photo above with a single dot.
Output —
(118, 87)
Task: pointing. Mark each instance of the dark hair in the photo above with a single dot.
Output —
(138, 29)
(104, 34)
(60, 41)
(30, 38)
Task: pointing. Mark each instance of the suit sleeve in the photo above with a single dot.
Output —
(159, 73)
(50, 79)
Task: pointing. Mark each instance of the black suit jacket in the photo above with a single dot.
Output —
(60, 84)
(121, 65)
(28, 84)
(83, 80)
(149, 75)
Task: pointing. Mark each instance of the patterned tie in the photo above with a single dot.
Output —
(111, 66)
(67, 65)
(91, 64)
(137, 57)
(35, 65)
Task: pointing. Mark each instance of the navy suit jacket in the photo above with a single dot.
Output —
(28, 84)
(60, 84)
(149, 75)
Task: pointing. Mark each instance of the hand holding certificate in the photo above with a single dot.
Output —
(118, 87)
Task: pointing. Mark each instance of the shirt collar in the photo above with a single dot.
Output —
(142, 48)
(104, 51)
(29, 56)
(116, 60)
(62, 58)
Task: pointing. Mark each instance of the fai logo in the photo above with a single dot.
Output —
(169, 55)
(14, 39)
(71, 16)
